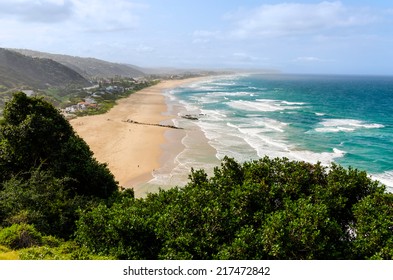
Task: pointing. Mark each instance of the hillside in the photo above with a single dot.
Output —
(88, 67)
(18, 70)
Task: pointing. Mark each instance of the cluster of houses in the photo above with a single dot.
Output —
(88, 102)
(104, 87)
(109, 90)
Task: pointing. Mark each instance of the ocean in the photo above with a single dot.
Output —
(315, 118)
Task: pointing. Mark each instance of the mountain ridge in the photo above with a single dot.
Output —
(89, 68)
(18, 70)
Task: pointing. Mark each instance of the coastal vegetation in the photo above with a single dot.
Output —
(58, 202)
(106, 95)
(65, 80)
(37, 76)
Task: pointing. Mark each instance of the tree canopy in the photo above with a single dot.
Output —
(47, 172)
(34, 135)
(265, 209)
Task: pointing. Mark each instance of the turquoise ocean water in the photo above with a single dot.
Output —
(342, 119)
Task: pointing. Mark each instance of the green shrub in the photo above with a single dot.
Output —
(41, 200)
(64, 251)
(20, 236)
(35, 135)
(265, 209)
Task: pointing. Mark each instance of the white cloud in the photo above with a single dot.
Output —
(308, 59)
(295, 18)
(243, 57)
(70, 26)
(88, 15)
(389, 11)
(116, 15)
(205, 33)
(204, 36)
(144, 49)
(43, 11)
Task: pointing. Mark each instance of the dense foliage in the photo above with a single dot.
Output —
(266, 209)
(35, 135)
(47, 173)
(58, 202)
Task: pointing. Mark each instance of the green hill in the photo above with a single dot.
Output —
(18, 70)
(88, 67)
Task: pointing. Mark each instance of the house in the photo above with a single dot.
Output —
(28, 92)
(81, 106)
(98, 93)
(114, 89)
(71, 109)
(90, 100)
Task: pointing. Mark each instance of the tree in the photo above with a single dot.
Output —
(373, 233)
(42, 201)
(34, 134)
(125, 230)
(302, 230)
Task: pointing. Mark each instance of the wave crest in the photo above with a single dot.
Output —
(345, 125)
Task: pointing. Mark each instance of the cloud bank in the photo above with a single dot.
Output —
(296, 18)
(42, 11)
(90, 15)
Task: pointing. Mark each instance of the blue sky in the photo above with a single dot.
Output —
(334, 37)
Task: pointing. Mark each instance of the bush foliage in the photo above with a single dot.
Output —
(20, 236)
(265, 209)
(47, 172)
(34, 134)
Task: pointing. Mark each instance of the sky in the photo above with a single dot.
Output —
(303, 36)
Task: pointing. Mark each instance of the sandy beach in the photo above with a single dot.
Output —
(132, 151)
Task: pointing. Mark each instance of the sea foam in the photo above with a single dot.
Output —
(262, 105)
(345, 125)
(385, 178)
(249, 117)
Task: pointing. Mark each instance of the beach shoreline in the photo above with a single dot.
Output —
(134, 151)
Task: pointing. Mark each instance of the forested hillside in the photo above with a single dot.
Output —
(265, 209)
(88, 67)
(17, 70)
(58, 202)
